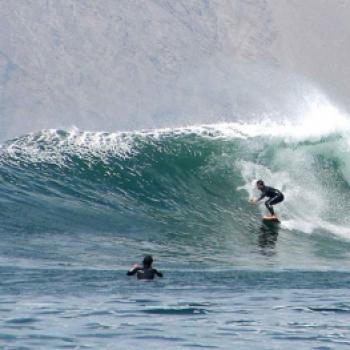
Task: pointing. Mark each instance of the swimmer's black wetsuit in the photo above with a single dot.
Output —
(275, 196)
(144, 273)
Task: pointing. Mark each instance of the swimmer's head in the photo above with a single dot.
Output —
(147, 261)
(260, 184)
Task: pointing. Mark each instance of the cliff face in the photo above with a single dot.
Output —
(132, 64)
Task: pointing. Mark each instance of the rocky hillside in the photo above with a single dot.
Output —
(127, 64)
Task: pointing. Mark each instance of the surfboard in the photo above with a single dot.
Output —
(270, 219)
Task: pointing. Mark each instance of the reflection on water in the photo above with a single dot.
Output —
(268, 235)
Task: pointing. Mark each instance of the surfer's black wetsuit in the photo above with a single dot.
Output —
(275, 196)
(144, 273)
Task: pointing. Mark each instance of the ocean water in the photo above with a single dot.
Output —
(79, 208)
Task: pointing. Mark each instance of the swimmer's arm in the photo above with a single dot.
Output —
(133, 270)
(158, 273)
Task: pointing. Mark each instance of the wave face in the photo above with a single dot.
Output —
(165, 184)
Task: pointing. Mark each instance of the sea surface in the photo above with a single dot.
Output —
(78, 208)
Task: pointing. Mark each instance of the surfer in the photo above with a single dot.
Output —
(146, 271)
(275, 196)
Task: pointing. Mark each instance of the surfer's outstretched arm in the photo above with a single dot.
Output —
(262, 196)
(256, 200)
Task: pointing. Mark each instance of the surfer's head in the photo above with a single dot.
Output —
(260, 184)
(147, 261)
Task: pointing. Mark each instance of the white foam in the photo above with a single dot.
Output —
(315, 119)
(54, 145)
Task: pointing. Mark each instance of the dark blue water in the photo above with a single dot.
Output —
(78, 209)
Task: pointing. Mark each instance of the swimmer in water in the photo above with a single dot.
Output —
(146, 271)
